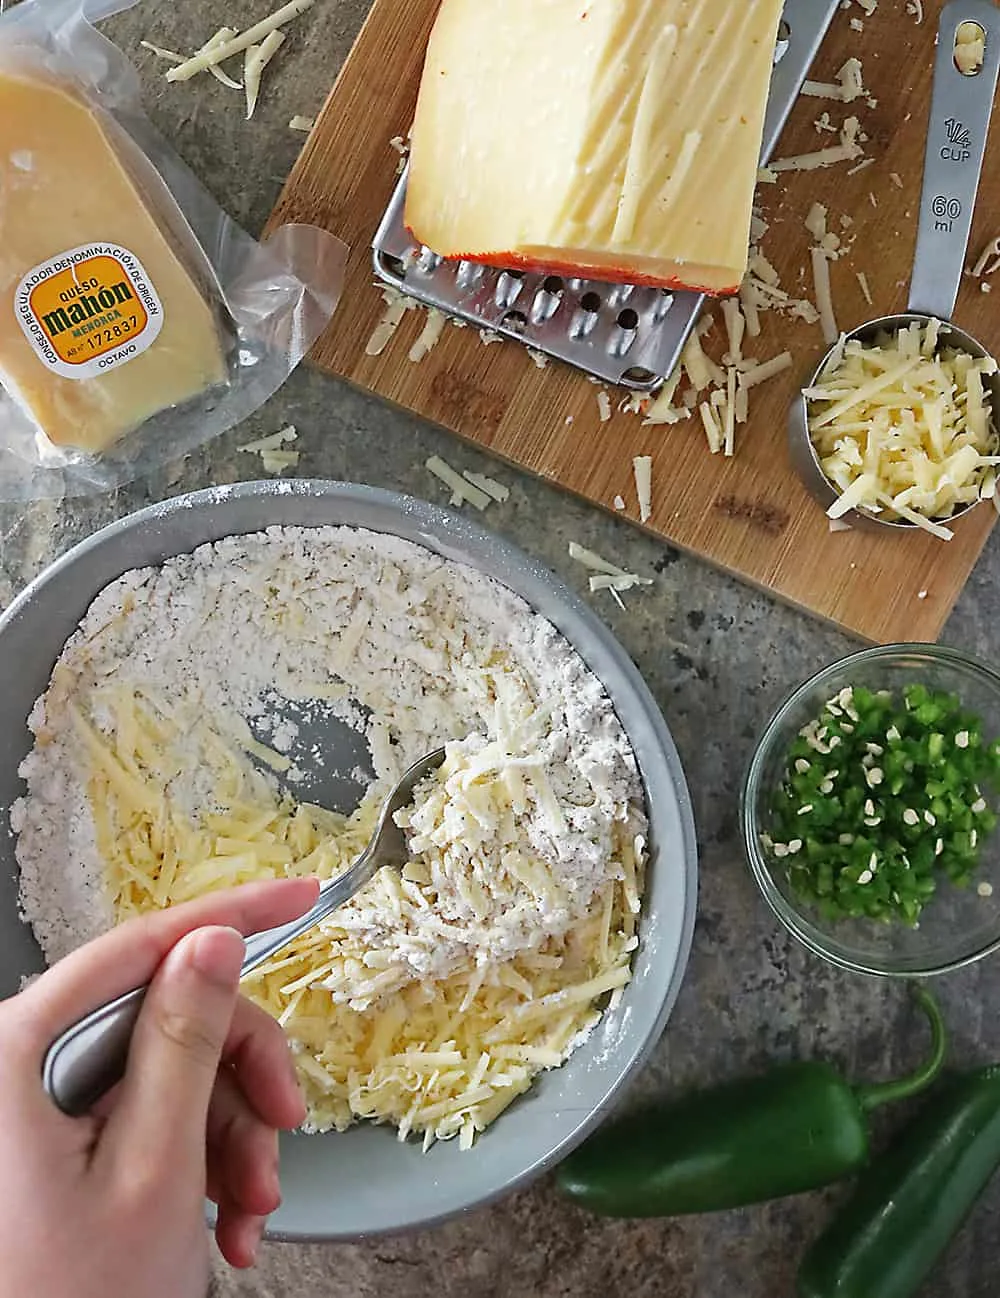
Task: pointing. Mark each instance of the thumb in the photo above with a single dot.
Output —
(162, 1109)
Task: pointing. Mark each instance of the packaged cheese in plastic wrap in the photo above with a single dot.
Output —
(137, 321)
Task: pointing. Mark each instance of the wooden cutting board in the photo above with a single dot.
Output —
(748, 515)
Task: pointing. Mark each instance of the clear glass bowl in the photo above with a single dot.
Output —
(958, 925)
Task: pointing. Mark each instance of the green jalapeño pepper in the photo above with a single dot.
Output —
(911, 1201)
(799, 1127)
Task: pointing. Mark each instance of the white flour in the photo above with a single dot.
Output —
(410, 648)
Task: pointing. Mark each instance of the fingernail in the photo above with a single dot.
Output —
(218, 955)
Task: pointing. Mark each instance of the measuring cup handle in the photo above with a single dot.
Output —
(956, 144)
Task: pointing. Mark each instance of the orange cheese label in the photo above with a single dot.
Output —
(88, 310)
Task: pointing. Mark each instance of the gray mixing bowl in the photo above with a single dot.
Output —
(365, 1182)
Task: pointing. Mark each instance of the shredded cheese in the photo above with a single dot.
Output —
(272, 457)
(848, 86)
(815, 222)
(766, 370)
(642, 468)
(439, 1059)
(162, 53)
(695, 363)
(662, 409)
(256, 60)
(848, 150)
(591, 559)
(272, 441)
(729, 416)
(462, 489)
(278, 461)
(824, 297)
(606, 576)
(222, 35)
(429, 335)
(735, 329)
(254, 35)
(710, 423)
(903, 426)
(396, 306)
(820, 158)
(988, 260)
(634, 404)
(496, 490)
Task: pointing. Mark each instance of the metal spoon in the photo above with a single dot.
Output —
(88, 1059)
(961, 105)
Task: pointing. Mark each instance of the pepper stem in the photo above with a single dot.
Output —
(874, 1094)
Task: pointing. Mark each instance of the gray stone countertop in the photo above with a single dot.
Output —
(751, 994)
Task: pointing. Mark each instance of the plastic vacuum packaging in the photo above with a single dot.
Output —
(137, 321)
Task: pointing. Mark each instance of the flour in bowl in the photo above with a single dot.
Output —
(434, 996)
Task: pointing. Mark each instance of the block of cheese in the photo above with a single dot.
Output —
(104, 318)
(617, 139)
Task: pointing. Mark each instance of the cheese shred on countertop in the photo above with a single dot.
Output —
(433, 997)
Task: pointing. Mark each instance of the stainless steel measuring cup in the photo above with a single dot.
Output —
(961, 105)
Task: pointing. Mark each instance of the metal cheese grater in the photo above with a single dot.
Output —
(619, 333)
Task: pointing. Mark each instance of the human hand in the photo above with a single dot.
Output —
(112, 1205)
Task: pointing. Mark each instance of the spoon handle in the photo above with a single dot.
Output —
(959, 124)
(90, 1057)
(262, 946)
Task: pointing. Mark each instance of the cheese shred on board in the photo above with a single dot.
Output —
(903, 425)
(433, 997)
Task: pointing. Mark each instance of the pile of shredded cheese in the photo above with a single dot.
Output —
(432, 998)
(718, 394)
(903, 426)
(439, 1056)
